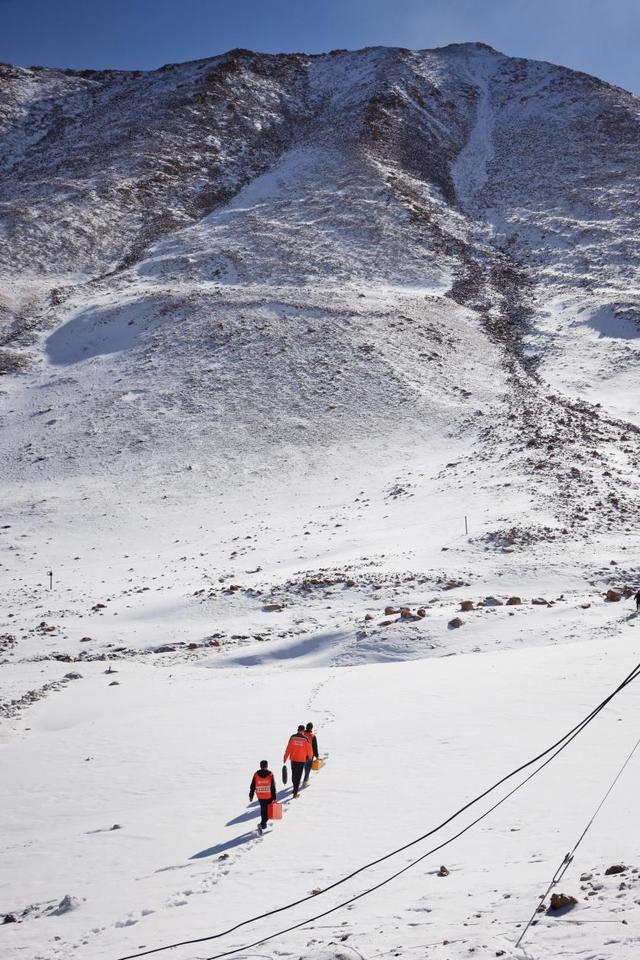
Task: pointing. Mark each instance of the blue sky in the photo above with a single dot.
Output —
(597, 36)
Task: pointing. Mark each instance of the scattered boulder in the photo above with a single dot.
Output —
(66, 904)
(455, 623)
(561, 901)
(9, 918)
(615, 868)
(491, 602)
(391, 611)
(443, 872)
(466, 605)
(421, 612)
(514, 601)
(273, 607)
(407, 614)
(350, 583)
(613, 596)
(539, 602)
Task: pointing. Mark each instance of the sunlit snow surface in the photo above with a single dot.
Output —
(289, 341)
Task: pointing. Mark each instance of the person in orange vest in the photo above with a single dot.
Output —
(263, 785)
(311, 737)
(298, 751)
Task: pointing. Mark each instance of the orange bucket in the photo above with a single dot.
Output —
(317, 764)
(274, 811)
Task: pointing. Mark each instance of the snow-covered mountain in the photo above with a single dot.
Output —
(280, 252)
(288, 345)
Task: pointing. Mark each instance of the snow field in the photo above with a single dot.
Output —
(172, 754)
(266, 377)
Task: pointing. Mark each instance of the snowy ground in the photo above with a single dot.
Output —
(414, 716)
(269, 421)
(407, 744)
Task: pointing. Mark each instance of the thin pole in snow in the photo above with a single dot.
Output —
(50, 575)
(466, 525)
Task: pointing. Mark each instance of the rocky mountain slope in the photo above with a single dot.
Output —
(267, 253)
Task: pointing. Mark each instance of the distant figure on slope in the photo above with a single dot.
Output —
(263, 785)
(298, 751)
(637, 600)
(311, 737)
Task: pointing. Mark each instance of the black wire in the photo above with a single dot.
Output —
(560, 743)
(404, 869)
(568, 859)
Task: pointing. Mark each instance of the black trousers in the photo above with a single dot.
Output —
(264, 810)
(297, 769)
(307, 769)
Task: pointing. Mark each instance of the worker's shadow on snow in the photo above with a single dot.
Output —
(284, 796)
(227, 845)
(252, 812)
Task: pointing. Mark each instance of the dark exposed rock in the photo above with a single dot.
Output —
(491, 602)
(561, 901)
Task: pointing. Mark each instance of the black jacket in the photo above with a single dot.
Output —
(263, 774)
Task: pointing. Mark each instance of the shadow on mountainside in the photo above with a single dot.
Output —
(98, 332)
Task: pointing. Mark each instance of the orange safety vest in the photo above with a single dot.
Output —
(263, 786)
(310, 734)
(298, 748)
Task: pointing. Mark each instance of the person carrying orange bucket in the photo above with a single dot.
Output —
(298, 752)
(263, 785)
(313, 740)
